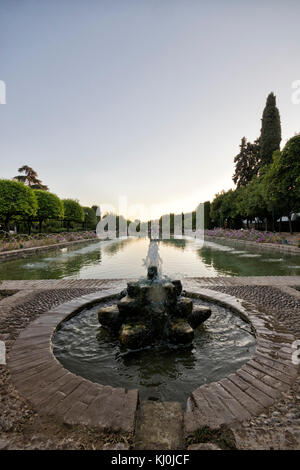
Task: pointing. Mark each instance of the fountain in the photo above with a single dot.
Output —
(149, 337)
(153, 310)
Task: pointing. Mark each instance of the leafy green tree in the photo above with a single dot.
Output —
(225, 209)
(73, 212)
(282, 180)
(90, 219)
(49, 207)
(216, 209)
(17, 202)
(252, 202)
(246, 162)
(30, 178)
(230, 209)
(270, 136)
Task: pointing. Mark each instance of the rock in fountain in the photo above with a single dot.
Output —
(153, 310)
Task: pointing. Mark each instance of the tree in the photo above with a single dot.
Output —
(216, 213)
(30, 178)
(270, 136)
(282, 180)
(247, 162)
(90, 218)
(49, 206)
(224, 210)
(73, 212)
(17, 201)
(252, 202)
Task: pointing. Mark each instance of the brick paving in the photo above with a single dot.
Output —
(54, 391)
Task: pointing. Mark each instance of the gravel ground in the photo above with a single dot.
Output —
(279, 427)
(21, 428)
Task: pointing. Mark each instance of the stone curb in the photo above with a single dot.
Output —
(23, 252)
(264, 246)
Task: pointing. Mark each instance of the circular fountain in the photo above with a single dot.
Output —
(160, 369)
(153, 310)
(156, 337)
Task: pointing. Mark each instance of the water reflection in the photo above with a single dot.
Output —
(179, 243)
(57, 266)
(123, 258)
(113, 247)
(228, 262)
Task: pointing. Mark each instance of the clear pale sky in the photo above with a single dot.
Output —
(145, 99)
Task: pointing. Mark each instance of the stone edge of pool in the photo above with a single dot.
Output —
(24, 252)
(53, 390)
(289, 249)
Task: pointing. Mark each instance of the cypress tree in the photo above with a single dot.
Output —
(270, 136)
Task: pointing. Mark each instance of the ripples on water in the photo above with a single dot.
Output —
(220, 347)
(124, 258)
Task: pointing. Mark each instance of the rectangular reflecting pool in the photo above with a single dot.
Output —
(125, 258)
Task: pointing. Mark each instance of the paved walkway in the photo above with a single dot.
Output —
(277, 281)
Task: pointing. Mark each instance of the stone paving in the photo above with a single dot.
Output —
(189, 283)
(246, 396)
(159, 426)
(52, 390)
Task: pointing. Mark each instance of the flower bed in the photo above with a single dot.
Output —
(15, 242)
(247, 235)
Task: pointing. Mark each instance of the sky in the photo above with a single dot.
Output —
(143, 100)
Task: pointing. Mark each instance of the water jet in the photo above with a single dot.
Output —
(153, 309)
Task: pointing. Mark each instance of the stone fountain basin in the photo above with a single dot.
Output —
(152, 311)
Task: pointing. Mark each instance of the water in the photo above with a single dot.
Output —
(220, 347)
(125, 258)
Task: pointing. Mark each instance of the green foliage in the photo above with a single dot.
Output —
(90, 218)
(16, 201)
(251, 201)
(270, 136)
(281, 186)
(73, 212)
(247, 162)
(227, 209)
(224, 209)
(30, 178)
(49, 205)
(216, 209)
